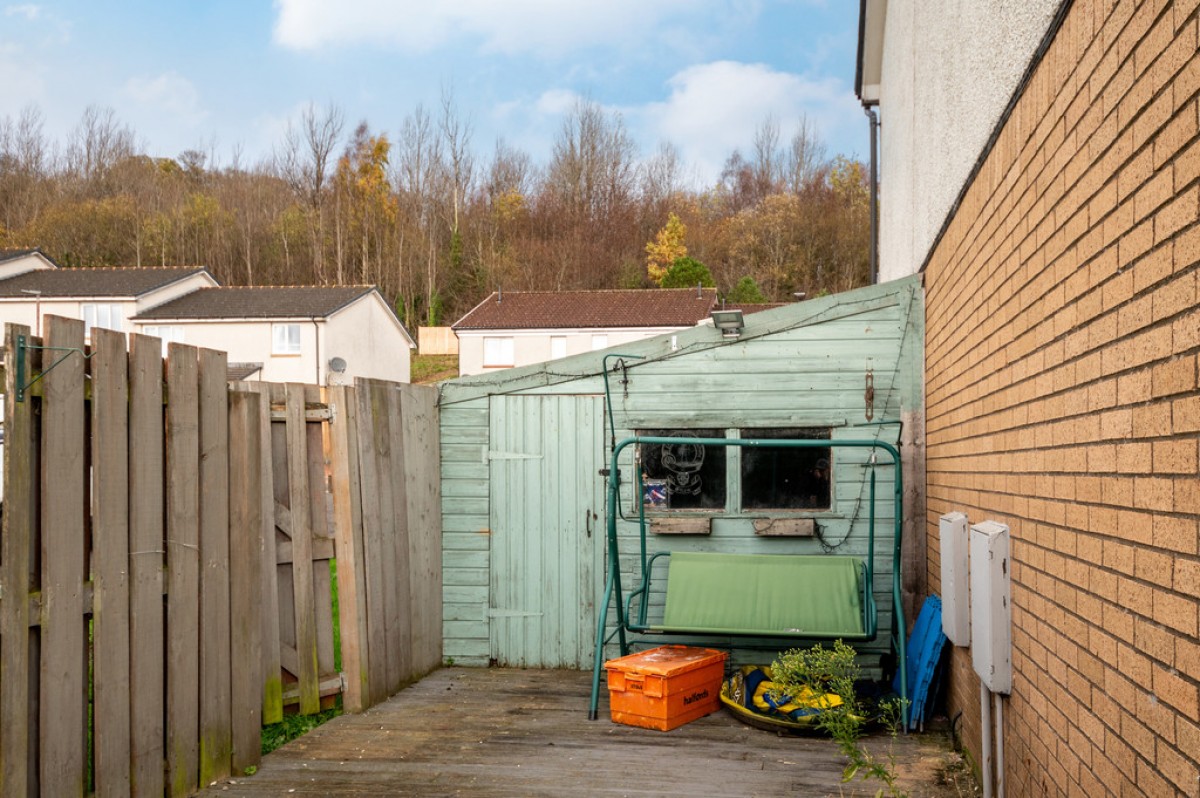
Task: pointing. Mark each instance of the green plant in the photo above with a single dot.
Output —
(835, 671)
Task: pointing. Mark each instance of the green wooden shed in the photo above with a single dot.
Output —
(525, 457)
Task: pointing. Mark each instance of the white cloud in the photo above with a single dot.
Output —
(715, 108)
(557, 102)
(24, 81)
(550, 27)
(169, 93)
(27, 10)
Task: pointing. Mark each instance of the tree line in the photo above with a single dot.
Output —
(436, 226)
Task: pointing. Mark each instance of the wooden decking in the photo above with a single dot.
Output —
(499, 732)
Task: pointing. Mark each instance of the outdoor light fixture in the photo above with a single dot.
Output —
(729, 322)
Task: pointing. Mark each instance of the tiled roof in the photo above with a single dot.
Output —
(89, 282)
(531, 310)
(262, 302)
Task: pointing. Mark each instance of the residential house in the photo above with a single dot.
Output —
(316, 334)
(326, 335)
(517, 328)
(524, 454)
(1042, 163)
(102, 297)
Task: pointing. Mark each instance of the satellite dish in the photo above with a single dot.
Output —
(337, 365)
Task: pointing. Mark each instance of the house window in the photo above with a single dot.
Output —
(105, 316)
(786, 478)
(285, 339)
(558, 346)
(168, 333)
(599, 342)
(682, 476)
(498, 353)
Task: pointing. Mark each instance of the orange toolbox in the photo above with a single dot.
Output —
(665, 687)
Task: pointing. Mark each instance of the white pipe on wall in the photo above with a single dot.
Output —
(985, 724)
(998, 713)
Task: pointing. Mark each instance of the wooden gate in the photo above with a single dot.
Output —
(165, 560)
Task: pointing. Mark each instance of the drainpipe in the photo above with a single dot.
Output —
(317, 339)
(985, 725)
(874, 200)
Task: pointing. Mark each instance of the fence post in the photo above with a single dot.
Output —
(347, 521)
(110, 562)
(183, 571)
(245, 580)
(20, 518)
(146, 557)
(216, 743)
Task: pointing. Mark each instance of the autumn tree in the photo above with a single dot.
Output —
(666, 248)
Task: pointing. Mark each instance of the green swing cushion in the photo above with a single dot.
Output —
(764, 594)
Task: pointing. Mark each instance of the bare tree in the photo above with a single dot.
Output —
(23, 167)
(304, 161)
(806, 158)
(96, 144)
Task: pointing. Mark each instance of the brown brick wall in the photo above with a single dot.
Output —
(1063, 352)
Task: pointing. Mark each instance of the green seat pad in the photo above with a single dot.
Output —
(766, 594)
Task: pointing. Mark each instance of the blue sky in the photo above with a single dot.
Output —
(220, 74)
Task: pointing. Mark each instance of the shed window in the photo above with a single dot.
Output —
(786, 478)
(682, 476)
(285, 339)
(498, 352)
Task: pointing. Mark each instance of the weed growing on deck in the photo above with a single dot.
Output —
(835, 671)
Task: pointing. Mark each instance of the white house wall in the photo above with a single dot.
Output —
(26, 310)
(367, 336)
(250, 342)
(953, 67)
(533, 346)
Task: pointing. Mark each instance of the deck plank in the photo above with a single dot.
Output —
(493, 733)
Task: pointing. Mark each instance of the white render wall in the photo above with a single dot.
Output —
(368, 337)
(250, 342)
(533, 346)
(25, 310)
(949, 69)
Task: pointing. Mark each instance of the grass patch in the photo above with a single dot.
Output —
(275, 735)
(293, 726)
(432, 368)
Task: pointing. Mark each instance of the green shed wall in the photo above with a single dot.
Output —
(801, 365)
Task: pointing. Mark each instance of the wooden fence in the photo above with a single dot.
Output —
(165, 579)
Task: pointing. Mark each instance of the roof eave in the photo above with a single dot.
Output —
(872, 14)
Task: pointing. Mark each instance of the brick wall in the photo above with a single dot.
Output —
(1063, 340)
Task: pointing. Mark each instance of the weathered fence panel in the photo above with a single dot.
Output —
(18, 713)
(110, 561)
(63, 723)
(147, 646)
(166, 552)
(245, 582)
(183, 570)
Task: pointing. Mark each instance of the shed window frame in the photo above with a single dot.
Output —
(735, 464)
(805, 460)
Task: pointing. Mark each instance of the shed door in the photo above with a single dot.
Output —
(546, 521)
